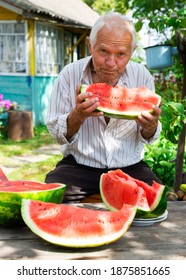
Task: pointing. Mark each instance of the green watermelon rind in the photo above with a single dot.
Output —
(131, 116)
(75, 241)
(160, 208)
(10, 202)
(116, 114)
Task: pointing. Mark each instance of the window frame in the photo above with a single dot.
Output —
(60, 41)
(16, 50)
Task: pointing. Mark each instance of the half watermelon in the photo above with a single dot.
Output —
(11, 197)
(117, 187)
(72, 226)
(121, 102)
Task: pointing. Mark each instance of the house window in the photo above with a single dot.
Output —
(13, 47)
(49, 49)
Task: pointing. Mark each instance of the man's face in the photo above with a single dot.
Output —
(110, 54)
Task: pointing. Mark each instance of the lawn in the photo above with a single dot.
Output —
(34, 171)
(10, 148)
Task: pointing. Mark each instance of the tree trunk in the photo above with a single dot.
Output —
(20, 125)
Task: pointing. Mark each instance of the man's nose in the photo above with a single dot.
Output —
(110, 61)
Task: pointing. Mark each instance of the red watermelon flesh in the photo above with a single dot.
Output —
(123, 102)
(72, 226)
(119, 191)
(26, 186)
(153, 193)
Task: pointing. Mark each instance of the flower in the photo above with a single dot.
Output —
(4, 104)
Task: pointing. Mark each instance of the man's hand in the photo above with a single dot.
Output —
(86, 108)
(83, 109)
(149, 122)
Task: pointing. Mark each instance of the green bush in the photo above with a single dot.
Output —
(161, 157)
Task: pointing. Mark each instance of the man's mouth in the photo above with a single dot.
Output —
(108, 71)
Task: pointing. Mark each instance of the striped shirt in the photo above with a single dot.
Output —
(97, 144)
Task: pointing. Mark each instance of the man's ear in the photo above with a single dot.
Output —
(89, 45)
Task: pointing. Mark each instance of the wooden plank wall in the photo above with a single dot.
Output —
(31, 93)
(18, 89)
(42, 89)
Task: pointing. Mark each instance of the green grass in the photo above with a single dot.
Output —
(34, 171)
(10, 148)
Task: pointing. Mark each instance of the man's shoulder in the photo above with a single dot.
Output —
(80, 63)
(73, 71)
(137, 68)
(137, 75)
(135, 65)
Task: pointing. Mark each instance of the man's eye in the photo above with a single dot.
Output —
(121, 54)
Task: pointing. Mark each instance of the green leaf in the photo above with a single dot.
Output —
(171, 137)
(138, 25)
(177, 108)
(152, 25)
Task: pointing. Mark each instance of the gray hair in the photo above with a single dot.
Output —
(109, 20)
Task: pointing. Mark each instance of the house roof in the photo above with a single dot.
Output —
(72, 12)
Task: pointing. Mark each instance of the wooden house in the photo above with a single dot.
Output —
(37, 38)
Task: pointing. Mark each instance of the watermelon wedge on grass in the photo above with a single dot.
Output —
(121, 102)
(11, 197)
(72, 226)
(117, 187)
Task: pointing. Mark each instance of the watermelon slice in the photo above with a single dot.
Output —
(12, 195)
(155, 195)
(72, 226)
(114, 188)
(120, 102)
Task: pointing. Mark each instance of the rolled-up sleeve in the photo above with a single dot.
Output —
(60, 105)
(153, 138)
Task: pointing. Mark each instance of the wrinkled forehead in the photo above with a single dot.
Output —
(113, 33)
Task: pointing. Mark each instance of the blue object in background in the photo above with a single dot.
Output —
(160, 56)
